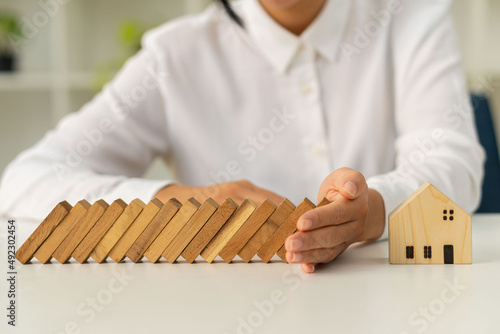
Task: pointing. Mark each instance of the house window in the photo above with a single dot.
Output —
(427, 252)
(409, 252)
(445, 214)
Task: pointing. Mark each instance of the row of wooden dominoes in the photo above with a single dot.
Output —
(169, 230)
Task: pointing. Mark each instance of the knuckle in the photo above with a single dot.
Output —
(338, 216)
(330, 239)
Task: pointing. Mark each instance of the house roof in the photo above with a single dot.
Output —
(416, 193)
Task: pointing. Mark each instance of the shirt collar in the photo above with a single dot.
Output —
(279, 46)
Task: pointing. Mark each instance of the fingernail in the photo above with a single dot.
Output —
(350, 188)
(305, 224)
(295, 244)
(296, 257)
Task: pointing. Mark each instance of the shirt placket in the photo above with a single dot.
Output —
(311, 113)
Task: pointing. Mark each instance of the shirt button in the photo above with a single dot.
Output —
(302, 47)
(307, 90)
(318, 151)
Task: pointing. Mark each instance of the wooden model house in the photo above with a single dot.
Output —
(429, 228)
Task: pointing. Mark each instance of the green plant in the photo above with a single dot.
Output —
(129, 36)
(10, 31)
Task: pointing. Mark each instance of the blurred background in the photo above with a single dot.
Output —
(66, 50)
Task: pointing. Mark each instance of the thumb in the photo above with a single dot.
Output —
(346, 181)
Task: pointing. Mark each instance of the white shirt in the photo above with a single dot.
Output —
(369, 85)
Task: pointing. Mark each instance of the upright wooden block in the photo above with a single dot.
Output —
(166, 236)
(249, 228)
(42, 232)
(266, 230)
(73, 239)
(82, 252)
(167, 212)
(282, 251)
(228, 230)
(101, 251)
(189, 231)
(134, 231)
(286, 229)
(209, 230)
(44, 253)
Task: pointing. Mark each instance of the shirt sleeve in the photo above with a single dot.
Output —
(99, 152)
(436, 136)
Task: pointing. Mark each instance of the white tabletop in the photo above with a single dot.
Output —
(358, 293)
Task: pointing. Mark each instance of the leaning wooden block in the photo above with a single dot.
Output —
(134, 231)
(44, 253)
(282, 253)
(189, 231)
(166, 236)
(42, 232)
(82, 252)
(249, 228)
(209, 230)
(167, 212)
(73, 239)
(266, 230)
(101, 251)
(286, 229)
(228, 230)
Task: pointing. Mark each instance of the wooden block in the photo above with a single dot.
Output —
(282, 251)
(167, 212)
(121, 248)
(82, 252)
(228, 230)
(249, 228)
(286, 229)
(266, 230)
(82, 227)
(42, 232)
(101, 251)
(189, 231)
(44, 253)
(323, 202)
(166, 236)
(214, 224)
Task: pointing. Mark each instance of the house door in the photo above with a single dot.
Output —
(448, 254)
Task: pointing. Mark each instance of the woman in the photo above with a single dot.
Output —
(287, 94)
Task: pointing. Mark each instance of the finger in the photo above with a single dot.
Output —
(321, 255)
(308, 268)
(347, 181)
(335, 213)
(326, 237)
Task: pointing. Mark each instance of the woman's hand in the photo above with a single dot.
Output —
(356, 213)
(238, 191)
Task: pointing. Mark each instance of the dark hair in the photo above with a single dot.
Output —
(231, 13)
